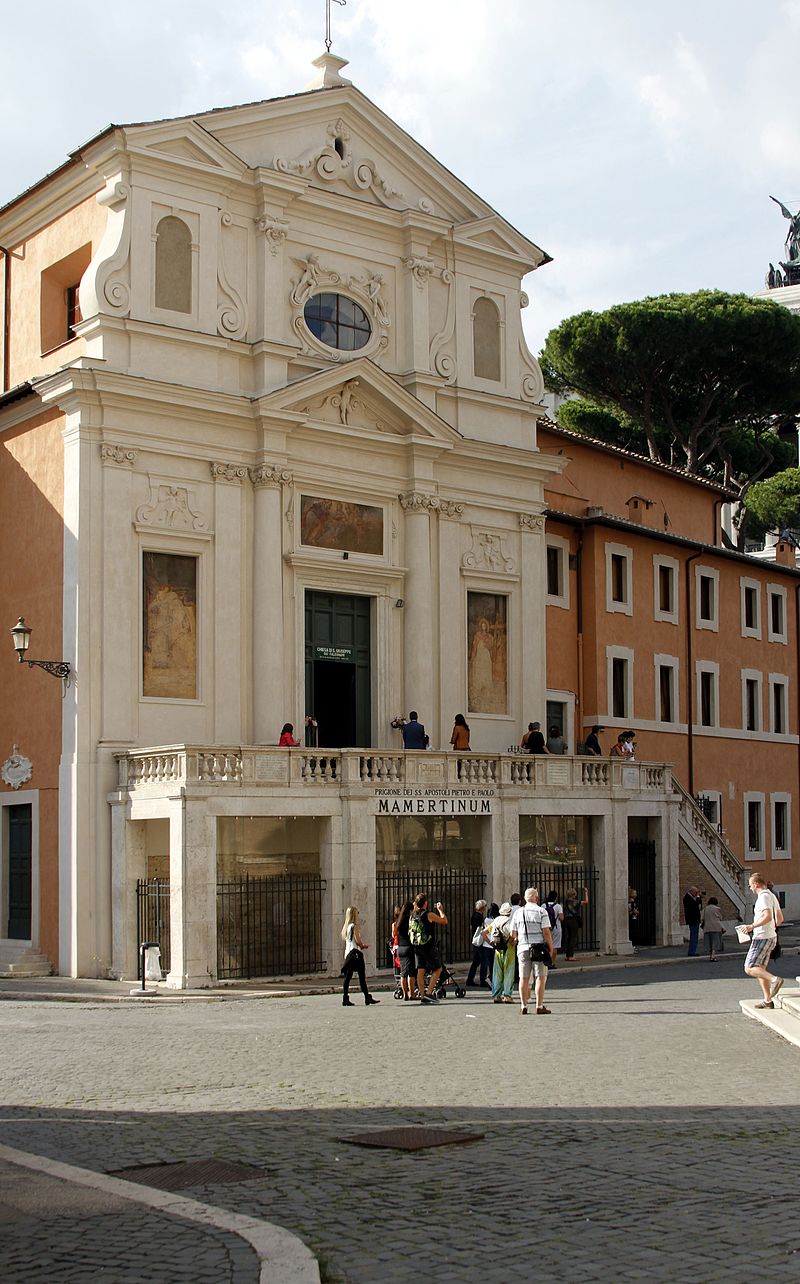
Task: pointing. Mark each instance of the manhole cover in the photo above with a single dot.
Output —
(195, 1172)
(412, 1138)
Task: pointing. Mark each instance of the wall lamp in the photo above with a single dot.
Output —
(400, 602)
(22, 640)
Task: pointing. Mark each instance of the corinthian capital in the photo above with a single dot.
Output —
(269, 475)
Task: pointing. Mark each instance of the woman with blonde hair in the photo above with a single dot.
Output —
(353, 958)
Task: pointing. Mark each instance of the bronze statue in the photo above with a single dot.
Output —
(793, 237)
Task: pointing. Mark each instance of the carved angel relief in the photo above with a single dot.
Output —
(487, 554)
(334, 162)
(170, 507)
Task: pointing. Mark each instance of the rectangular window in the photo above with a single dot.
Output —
(619, 687)
(666, 686)
(754, 824)
(553, 571)
(73, 310)
(666, 590)
(711, 806)
(169, 626)
(750, 608)
(707, 699)
(706, 598)
(618, 578)
(780, 826)
(776, 597)
(778, 707)
(751, 704)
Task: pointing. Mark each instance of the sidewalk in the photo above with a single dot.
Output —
(99, 1225)
(66, 989)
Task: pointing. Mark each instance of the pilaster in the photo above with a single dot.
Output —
(268, 623)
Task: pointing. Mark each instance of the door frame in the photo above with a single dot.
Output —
(20, 798)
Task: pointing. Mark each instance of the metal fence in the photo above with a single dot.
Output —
(152, 919)
(557, 877)
(269, 926)
(457, 889)
(642, 877)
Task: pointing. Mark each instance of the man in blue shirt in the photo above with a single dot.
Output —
(414, 733)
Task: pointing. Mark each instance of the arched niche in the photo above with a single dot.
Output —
(173, 265)
(486, 362)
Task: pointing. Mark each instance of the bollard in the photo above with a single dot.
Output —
(149, 965)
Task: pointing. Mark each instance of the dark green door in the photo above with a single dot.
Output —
(338, 668)
(19, 872)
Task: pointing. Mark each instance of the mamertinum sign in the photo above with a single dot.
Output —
(401, 800)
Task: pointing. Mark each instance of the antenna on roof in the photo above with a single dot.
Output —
(328, 41)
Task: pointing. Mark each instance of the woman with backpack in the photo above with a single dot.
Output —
(353, 958)
(573, 919)
(405, 951)
(426, 953)
(498, 936)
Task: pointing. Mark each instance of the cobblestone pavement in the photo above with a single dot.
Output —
(627, 1136)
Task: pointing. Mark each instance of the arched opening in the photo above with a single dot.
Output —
(173, 265)
(486, 340)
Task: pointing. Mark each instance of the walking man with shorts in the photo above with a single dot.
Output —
(530, 929)
(767, 918)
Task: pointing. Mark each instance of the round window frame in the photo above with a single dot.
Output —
(372, 338)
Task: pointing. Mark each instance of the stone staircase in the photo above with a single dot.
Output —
(707, 844)
(19, 958)
(784, 1018)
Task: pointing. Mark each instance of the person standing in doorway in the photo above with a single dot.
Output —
(414, 733)
(556, 742)
(767, 918)
(354, 958)
(693, 914)
(530, 931)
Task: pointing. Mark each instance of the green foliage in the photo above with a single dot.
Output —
(704, 381)
(775, 503)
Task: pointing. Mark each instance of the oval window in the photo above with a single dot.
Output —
(337, 321)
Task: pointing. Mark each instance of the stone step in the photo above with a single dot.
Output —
(784, 1018)
(26, 962)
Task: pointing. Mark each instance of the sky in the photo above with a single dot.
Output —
(637, 143)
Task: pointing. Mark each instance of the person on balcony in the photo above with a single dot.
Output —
(414, 733)
(287, 740)
(460, 737)
(556, 742)
(536, 742)
(592, 743)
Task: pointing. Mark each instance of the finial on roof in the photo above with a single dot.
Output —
(329, 72)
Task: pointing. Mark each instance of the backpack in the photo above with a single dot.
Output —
(418, 930)
(551, 914)
(498, 939)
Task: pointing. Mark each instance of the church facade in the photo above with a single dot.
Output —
(269, 426)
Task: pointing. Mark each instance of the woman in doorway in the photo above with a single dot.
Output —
(405, 952)
(573, 919)
(353, 958)
(460, 737)
(287, 740)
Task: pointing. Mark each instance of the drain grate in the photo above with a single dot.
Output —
(194, 1172)
(412, 1138)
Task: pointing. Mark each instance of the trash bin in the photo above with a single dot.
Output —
(152, 963)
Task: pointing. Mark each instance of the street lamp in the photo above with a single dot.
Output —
(22, 640)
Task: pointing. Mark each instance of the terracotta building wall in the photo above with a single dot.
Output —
(31, 571)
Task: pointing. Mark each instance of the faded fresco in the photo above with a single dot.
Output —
(487, 644)
(169, 633)
(333, 523)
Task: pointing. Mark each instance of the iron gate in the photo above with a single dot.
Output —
(270, 926)
(556, 877)
(152, 919)
(457, 889)
(642, 877)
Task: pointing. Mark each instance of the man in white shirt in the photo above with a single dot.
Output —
(767, 918)
(530, 928)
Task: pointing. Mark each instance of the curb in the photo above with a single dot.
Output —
(283, 1258)
(383, 985)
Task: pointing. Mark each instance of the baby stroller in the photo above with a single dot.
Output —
(446, 979)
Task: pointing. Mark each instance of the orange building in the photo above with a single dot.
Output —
(653, 624)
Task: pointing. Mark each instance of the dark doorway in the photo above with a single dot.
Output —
(19, 872)
(338, 668)
(642, 877)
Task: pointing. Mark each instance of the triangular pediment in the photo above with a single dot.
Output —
(186, 141)
(359, 399)
(494, 233)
